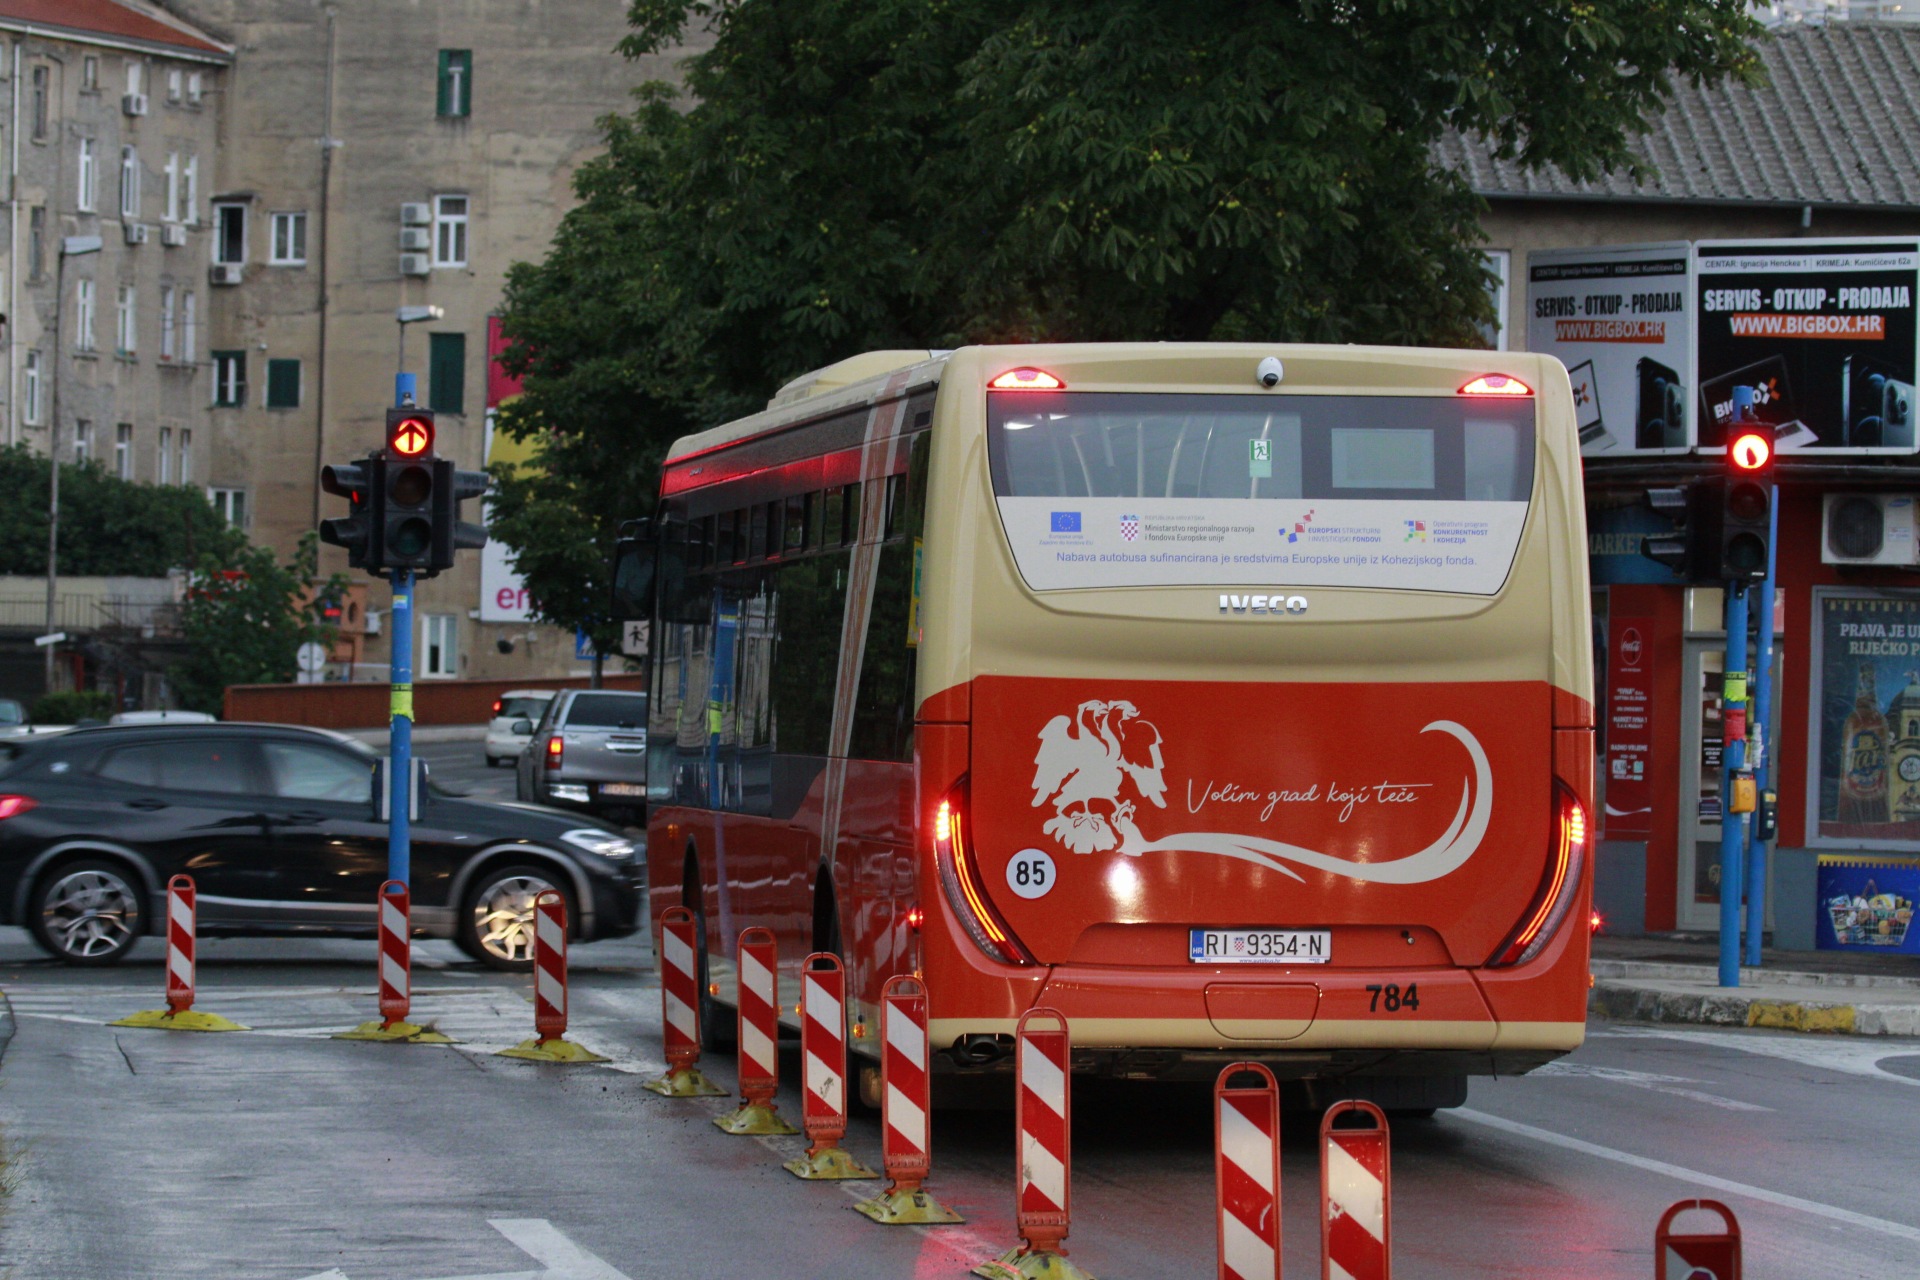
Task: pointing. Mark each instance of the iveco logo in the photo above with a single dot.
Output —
(1263, 604)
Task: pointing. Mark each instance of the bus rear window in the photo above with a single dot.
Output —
(1111, 489)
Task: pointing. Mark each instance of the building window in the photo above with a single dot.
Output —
(447, 372)
(90, 74)
(449, 231)
(123, 329)
(164, 457)
(39, 109)
(189, 330)
(229, 379)
(186, 456)
(231, 504)
(456, 83)
(172, 211)
(193, 88)
(37, 242)
(438, 631)
(123, 451)
(169, 334)
(82, 441)
(32, 405)
(173, 84)
(192, 210)
(83, 315)
(289, 240)
(129, 183)
(230, 233)
(89, 177)
(136, 76)
(283, 384)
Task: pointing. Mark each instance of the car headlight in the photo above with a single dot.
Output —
(604, 843)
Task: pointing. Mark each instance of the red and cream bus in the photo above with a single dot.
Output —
(1234, 700)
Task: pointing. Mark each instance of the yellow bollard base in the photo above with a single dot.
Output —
(754, 1119)
(896, 1208)
(689, 1083)
(1036, 1264)
(829, 1165)
(554, 1050)
(394, 1033)
(185, 1020)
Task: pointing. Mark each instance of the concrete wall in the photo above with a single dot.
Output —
(361, 706)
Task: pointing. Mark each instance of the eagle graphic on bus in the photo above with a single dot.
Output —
(1095, 766)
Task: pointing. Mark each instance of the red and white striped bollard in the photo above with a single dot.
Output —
(396, 953)
(1043, 1124)
(906, 1101)
(1246, 1164)
(680, 1009)
(1356, 1195)
(549, 1043)
(180, 1015)
(757, 967)
(823, 1072)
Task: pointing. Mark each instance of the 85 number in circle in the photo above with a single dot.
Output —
(1030, 873)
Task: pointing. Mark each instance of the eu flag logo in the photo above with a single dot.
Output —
(1066, 522)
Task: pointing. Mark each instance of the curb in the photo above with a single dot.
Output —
(1668, 971)
(1625, 1003)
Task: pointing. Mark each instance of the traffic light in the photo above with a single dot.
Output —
(361, 484)
(1683, 550)
(452, 487)
(1745, 504)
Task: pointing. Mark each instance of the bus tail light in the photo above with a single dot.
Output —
(962, 887)
(1559, 886)
(1496, 384)
(556, 749)
(1027, 380)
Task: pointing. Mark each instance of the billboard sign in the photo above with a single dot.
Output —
(1617, 317)
(1822, 330)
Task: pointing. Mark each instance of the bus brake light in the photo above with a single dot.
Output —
(1559, 886)
(963, 893)
(1496, 384)
(1027, 380)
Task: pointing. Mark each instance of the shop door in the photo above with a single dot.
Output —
(1701, 745)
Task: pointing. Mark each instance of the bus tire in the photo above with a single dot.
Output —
(719, 1028)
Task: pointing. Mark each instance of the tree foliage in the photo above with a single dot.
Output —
(245, 618)
(844, 175)
(109, 527)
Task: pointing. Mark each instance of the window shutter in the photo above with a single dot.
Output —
(283, 384)
(465, 106)
(446, 372)
(443, 102)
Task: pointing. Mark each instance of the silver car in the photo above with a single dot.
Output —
(589, 752)
(511, 727)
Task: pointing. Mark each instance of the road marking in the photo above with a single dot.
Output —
(1682, 1174)
(564, 1259)
(1646, 1080)
(1845, 1056)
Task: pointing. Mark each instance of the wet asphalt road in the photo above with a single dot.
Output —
(282, 1153)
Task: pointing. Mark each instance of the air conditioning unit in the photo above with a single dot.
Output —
(416, 239)
(415, 215)
(414, 264)
(226, 273)
(173, 235)
(134, 104)
(1869, 528)
(137, 232)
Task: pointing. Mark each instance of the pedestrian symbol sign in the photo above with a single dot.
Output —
(1260, 459)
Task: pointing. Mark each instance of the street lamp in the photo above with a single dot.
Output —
(70, 247)
(403, 317)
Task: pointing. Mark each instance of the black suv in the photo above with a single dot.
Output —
(277, 826)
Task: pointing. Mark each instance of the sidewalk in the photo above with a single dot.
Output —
(1676, 979)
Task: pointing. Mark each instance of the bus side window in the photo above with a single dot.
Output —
(850, 515)
(884, 706)
(757, 532)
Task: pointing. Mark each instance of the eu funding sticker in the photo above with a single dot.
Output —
(1465, 547)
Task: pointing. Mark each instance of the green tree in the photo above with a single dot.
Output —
(108, 526)
(245, 618)
(854, 174)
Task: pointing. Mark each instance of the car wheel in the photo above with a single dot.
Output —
(87, 912)
(496, 927)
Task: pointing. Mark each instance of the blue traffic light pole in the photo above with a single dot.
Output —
(400, 704)
(1733, 750)
(1756, 869)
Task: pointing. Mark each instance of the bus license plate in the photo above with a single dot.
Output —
(623, 788)
(1260, 946)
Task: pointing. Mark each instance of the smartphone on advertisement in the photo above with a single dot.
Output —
(1876, 405)
(1661, 422)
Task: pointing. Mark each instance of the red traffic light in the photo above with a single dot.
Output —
(410, 436)
(1751, 450)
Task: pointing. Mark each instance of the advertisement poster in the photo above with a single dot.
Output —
(1822, 330)
(1629, 788)
(1866, 904)
(1866, 716)
(1617, 318)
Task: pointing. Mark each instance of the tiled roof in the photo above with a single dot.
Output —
(105, 18)
(1836, 123)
